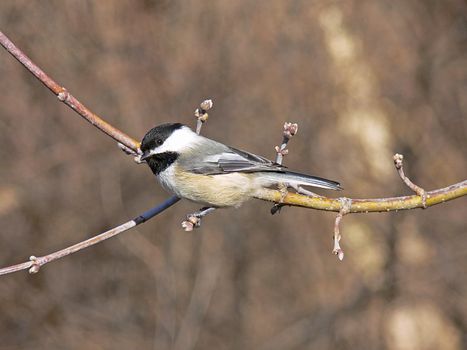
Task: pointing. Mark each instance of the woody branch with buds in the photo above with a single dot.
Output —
(422, 198)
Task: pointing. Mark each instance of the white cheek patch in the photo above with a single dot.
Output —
(180, 140)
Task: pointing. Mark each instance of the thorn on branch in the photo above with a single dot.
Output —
(398, 163)
(346, 204)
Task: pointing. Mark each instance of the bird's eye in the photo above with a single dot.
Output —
(159, 142)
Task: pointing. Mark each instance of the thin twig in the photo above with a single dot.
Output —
(67, 98)
(201, 114)
(35, 263)
(290, 129)
(346, 203)
(398, 160)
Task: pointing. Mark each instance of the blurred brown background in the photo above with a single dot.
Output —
(364, 79)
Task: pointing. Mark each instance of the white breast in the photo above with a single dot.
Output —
(167, 180)
(212, 190)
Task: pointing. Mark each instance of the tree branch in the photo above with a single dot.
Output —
(67, 98)
(35, 263)
(368, 205)
(423, 199)
(123, 139)
(292, 199)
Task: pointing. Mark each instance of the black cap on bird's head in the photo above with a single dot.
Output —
(161, 145)
(156, 137)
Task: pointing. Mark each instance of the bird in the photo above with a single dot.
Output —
(211, 173)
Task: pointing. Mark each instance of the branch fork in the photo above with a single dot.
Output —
(289, 130)
(398, 163)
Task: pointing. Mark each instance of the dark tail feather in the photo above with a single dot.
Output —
(315, 181)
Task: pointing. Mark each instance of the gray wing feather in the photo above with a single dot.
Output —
(231, 160)
(225, 160)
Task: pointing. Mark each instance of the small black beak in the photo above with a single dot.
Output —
(145, 155)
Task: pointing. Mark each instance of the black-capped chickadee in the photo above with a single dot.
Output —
(213, 174)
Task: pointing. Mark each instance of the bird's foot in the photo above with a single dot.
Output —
(283, 189)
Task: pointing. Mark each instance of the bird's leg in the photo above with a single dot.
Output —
(194, 220)
(283, 191)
